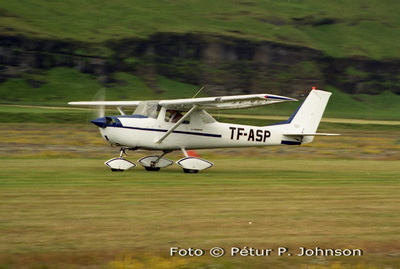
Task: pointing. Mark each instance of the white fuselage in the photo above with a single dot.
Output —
(199, 132)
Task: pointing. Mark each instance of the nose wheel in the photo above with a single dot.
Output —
(119, 164)
(190, 171)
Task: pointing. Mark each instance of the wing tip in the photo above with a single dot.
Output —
(277, 97)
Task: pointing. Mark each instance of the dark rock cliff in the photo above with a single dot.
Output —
(224, 65)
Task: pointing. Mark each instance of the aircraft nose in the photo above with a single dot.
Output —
(100, 122)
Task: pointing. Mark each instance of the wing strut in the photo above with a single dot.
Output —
(177, 124)
(121, 110)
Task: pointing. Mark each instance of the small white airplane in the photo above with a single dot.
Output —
(183, 124)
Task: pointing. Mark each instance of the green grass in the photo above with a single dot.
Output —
(62, 85)
(54, 219)
(363, 28)
(62, 208)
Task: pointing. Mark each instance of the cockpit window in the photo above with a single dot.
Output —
(110, 121)
(174, 116)
(148, 109)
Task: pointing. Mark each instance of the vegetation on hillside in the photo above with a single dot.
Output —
(63, 85)
(339, 28)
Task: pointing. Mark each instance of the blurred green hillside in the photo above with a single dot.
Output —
(64, 85)
(338, 28)
(52, 52)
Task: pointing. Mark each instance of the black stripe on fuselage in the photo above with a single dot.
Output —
(164, 131)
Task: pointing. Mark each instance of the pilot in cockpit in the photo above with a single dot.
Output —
(174, 115)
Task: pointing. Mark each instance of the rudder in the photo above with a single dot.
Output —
(306, 118)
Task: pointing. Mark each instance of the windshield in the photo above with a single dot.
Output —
(148, 108)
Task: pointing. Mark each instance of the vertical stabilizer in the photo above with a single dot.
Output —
(305, 121)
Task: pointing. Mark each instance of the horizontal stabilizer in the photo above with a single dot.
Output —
(310, 134)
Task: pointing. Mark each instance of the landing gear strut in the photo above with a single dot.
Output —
(155, 163)
(122, 152)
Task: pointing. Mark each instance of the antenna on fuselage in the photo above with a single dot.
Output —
(198, 92)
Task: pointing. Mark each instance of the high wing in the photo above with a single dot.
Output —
(120, 105)
(225, 102)
(106, 103)
(222, 102)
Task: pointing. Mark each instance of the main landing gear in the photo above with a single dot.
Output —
(156, 162)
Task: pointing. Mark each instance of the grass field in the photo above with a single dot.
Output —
(62, 208)
(71, 213)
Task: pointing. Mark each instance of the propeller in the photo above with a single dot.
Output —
(95, 112)
(100, 96)
(89, 134)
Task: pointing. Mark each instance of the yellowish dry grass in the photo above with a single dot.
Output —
(54, 140)
(75, 207)
(338, 192)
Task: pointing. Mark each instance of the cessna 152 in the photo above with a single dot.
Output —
(183, 124)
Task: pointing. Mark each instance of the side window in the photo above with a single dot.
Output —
(174, 116)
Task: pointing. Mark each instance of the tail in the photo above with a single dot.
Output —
(305, 120)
